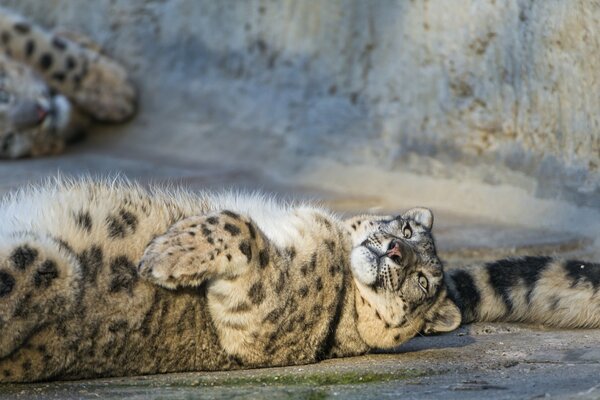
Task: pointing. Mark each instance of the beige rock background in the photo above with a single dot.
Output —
(479, 106)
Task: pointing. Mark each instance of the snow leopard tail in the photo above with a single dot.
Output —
(539, 290)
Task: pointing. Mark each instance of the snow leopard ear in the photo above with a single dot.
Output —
(443, 318)
(421, 215)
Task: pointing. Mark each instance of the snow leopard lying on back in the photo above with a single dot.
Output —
(109, 279)
(51, 85)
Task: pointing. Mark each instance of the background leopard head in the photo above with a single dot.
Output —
(33, 119)
(399, 278)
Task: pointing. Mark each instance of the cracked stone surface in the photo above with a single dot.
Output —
(499, 92)
(504, 361)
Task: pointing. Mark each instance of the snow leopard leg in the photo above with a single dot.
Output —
(96, 83)
(222, 245)
(39, 288)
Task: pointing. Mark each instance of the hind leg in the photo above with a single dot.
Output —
(41, 357)
(38, 293)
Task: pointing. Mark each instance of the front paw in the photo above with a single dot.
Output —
(220, 245)
(174, 259)
(157, 265)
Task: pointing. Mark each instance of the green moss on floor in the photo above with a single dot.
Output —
(320, 379)
(309, 385)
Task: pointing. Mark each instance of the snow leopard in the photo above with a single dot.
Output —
(103, 278)
(52, 85)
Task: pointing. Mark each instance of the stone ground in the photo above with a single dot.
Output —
(476, 361)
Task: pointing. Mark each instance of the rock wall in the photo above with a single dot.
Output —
(502, 92)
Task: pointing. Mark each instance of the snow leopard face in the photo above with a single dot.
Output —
(30, 113)
(399, 275)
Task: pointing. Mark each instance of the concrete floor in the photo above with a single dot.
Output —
(477, 361)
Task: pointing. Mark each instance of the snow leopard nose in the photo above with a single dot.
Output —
(398, 251)
(394, 249)
(27, 114)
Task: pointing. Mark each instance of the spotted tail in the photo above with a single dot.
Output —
(538, 290)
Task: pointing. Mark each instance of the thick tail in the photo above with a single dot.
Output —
(539, 290)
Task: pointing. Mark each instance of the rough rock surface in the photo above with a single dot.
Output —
(501, 92)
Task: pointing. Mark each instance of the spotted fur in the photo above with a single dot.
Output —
(51, 84)
(109, 279)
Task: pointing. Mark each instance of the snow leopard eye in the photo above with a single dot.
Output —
(423, 283)
(407, 232)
